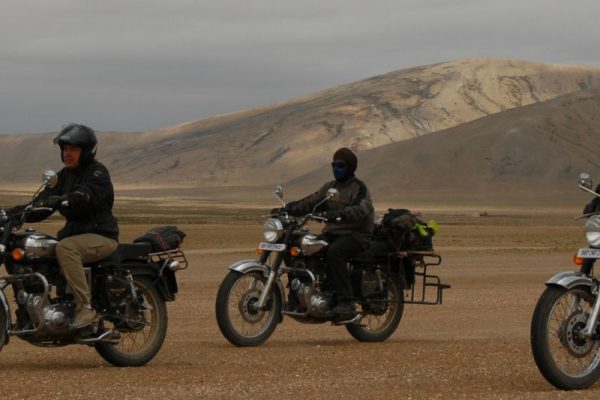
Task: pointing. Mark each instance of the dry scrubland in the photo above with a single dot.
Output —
(476, 345)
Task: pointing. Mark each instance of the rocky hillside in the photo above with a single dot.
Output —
(530, 152)
(282, 141)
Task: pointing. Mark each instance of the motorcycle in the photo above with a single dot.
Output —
(290, 279)
(129, 290)
(565, 328)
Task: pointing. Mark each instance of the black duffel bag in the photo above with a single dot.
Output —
(162, 238)
(404, 231)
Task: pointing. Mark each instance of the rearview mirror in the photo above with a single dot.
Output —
(49, 178)
(333, 194)
(278, 192)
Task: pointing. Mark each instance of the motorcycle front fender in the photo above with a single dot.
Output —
(246, 266)
(570, 279)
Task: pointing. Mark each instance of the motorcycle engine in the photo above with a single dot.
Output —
(53, 319)
(318, 304)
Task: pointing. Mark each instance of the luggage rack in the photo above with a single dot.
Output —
(419, 295)
(172, 259)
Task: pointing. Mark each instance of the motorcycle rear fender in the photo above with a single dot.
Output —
(570, 279)
(166, 284)
(246, 266)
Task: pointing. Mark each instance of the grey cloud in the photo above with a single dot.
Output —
(136, 65)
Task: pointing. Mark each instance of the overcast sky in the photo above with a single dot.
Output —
(138, 65)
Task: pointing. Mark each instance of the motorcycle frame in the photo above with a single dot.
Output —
(6, 310)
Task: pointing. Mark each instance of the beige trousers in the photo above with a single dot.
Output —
(73, 252)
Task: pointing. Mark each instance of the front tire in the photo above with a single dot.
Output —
(136, 348)
(238, 320)
(382, 317)
(3, 333)
(567, 360)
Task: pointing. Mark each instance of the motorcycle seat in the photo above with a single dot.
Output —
(375, 250)
(127, 251)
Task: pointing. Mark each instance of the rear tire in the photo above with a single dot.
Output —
(378, 327)
(137, 348)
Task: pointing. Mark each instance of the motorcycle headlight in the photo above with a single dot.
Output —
(272, 230)
(592, 230)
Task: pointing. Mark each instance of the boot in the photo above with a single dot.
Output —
(344, 308)
(84, 316)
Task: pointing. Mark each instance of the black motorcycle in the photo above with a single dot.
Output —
(129, 291)
(290, 278)
(565, 328)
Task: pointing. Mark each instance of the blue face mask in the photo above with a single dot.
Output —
(340, 171)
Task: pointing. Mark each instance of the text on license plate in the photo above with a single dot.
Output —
(588, 253)
(271, 246)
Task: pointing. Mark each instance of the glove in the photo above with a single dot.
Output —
(277, 210)
(332, 216)
(54, 201)
(14, 212)
(592, 206)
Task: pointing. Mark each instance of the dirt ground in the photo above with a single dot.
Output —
(475, 345)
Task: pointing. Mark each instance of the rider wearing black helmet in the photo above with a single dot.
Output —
(84, 196)
(81, 136)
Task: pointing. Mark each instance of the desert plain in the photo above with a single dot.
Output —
(473, 346)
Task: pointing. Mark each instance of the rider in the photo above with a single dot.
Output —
(349, 223)
(84, 196)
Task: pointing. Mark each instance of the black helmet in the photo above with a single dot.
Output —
(80, 136)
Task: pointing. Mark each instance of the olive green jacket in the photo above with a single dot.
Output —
(353, 207)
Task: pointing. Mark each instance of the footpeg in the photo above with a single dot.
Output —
(351, 320)
(108, 336)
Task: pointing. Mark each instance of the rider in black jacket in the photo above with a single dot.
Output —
(84, 196)
(349, 223)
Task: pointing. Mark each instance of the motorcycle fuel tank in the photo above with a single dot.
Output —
(38, 245)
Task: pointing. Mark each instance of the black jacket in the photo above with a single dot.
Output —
(90, 194)
(354, 208)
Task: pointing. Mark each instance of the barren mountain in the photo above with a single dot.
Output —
(529, 152)
(282, 141)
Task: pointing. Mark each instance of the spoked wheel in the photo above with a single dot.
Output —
(382, 316)
(239, 320)
(566, 358)
(143, 337)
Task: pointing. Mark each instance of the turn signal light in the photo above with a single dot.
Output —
(18, 254)
(577, 260)
(294, 251)
(260, 252)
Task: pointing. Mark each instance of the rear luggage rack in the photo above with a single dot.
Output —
(172, 259)
(418, 292)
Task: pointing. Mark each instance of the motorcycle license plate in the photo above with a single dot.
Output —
(271, 246)
(588, 253)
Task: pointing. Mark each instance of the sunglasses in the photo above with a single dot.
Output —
(338, 165)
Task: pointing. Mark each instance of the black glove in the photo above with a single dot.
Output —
(277, 210)
(592, 206)
(54, 201)
(14, 212)
(332, 216)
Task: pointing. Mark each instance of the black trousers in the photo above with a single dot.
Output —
(340, 249)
